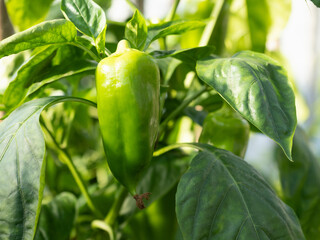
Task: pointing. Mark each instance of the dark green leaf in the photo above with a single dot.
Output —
(189, 56)
(57, 218)
(51, 32)
(258, 88)
(22, 169)
(223, 197)
(86, 15)
(26, 13)
(300, 181)
(136, 31)
(316, 2)
(170, 28)
(24, 84)
(259, 22)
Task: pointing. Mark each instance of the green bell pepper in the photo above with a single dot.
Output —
(128, 88)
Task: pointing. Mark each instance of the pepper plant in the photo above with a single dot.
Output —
(61, 179)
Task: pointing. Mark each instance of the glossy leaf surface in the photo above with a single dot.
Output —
(258, 88)
(86, 15)
(47, 33)
(300, 182)
(223, 197)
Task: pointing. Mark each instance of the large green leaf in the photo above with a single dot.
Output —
(157, 31)
(223, 197)
(57, 218)
(47, 33)
(86, 15)
(22, 169)
(258, 88)
(136, 31)
(28, 79)
(26, 13)
(300, 181)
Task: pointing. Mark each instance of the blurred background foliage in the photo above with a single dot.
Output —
(286, 30)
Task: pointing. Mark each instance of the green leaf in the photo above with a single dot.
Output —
(101, 41)
(86, 15)
(26, 13)
(25, 75)
(57, 218)
(300, 182)
(223, 197)
(258, 88)
(47, 33)
(258, 22)
(189, 56)
(136, 31)
(22, 168)
(29, 80)
(157, 31)
(316, 2)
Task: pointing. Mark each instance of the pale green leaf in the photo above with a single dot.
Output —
(136, 31)
(26, 13)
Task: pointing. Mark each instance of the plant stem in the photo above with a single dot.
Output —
(68, 161)
(95, 57)
(103, 226)
(116, 206)
(132, 5)
(198, 146)
(173, 10)
(183, 105)
(207, 33)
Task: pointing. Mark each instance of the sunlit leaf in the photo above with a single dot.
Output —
(86, 15)
(136, 31)
(47, 33)
(258, 88)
